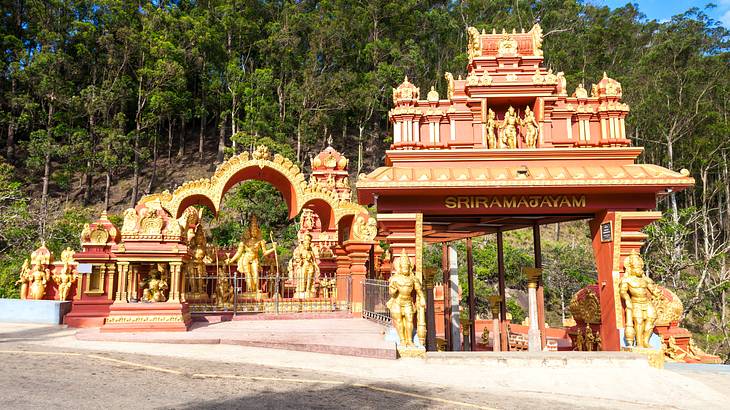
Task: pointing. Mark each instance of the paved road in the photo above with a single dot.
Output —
(49, 368)
(80, 379)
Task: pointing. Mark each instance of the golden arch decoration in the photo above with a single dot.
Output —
(279, 171)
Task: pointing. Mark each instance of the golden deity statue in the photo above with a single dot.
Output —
(247, 255)
(401, 286)
(68, 275)
(38, 277)
(303, 268)
(196, 268)
(509, 129)
(491, 124)
(637, 291)
(24, 279)
(224, 291)
(154, 286)
(589, 339)
(531, 127)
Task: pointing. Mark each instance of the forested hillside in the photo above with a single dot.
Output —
(103, 101)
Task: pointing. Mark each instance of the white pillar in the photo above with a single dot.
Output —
(396, 132)
(417, 131)
(534, 343)
(455, 302)
(453, 128)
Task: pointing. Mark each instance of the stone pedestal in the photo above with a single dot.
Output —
(49, 312)
(147, 317)
(534, 342)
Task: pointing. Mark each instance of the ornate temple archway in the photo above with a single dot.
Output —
(277, 170)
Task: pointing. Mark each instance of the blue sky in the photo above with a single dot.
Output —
(665, 9)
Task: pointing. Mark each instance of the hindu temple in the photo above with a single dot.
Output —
(506, 146)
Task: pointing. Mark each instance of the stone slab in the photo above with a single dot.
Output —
(48, 312)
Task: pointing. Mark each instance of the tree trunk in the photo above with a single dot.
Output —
(169, 140)
(221, 139)
(201, 135)
(153, 175)
(88, 176)
(46, 172)
(107, 187)
(181, 139)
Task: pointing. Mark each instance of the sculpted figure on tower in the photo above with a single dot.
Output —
(637, 291)
(247, 255)
(401, 286)
(509, 129)
(491, 124)
(530, 126)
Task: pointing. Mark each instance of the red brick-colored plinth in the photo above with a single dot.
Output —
(147, 317)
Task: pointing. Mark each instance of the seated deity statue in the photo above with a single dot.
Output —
(68, 275)
(401, 286)
(509, 129)
(247, 255)
(637, 290)
(153, 287)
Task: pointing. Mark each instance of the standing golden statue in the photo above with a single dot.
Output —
(303, 268)
(491, 124)
(509, 129)
(24, 279)
(68, 275)
(637, 291)
(197, 268)
(531, 127)
(401, 286)
(247, 255)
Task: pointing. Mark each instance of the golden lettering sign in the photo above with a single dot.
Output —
(523, 201)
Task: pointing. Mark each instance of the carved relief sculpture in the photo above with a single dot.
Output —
(637, 291)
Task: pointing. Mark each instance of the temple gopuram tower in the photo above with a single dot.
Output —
(507, 146)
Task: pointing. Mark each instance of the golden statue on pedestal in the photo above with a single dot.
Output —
(39, 276)
(637, 291)
(247, 255)
(303, 268)
(68, 275)
(509, 129)
(401, 286)
(531, 127)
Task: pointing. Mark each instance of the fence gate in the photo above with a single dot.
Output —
(376, 296)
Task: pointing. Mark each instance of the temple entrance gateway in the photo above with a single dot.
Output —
(508, 148)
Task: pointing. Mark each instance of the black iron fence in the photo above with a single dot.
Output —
(376, 296)
(266, 294)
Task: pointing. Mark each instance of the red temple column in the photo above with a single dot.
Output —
(615, 235)
(358, 253)
(342, 273)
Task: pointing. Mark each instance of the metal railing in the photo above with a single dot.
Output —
(376, 296)
(274, 294)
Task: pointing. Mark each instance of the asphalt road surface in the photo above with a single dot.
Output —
(35, 377)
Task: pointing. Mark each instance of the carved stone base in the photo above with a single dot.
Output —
(411, 351)
(147, 317)
(655, 357)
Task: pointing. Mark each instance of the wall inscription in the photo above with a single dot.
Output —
(515, 201)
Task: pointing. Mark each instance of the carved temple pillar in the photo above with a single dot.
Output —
(615, 234)
(358, 254)
(342, 273)
(175, 282)
(121, 295)
(494, 303)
